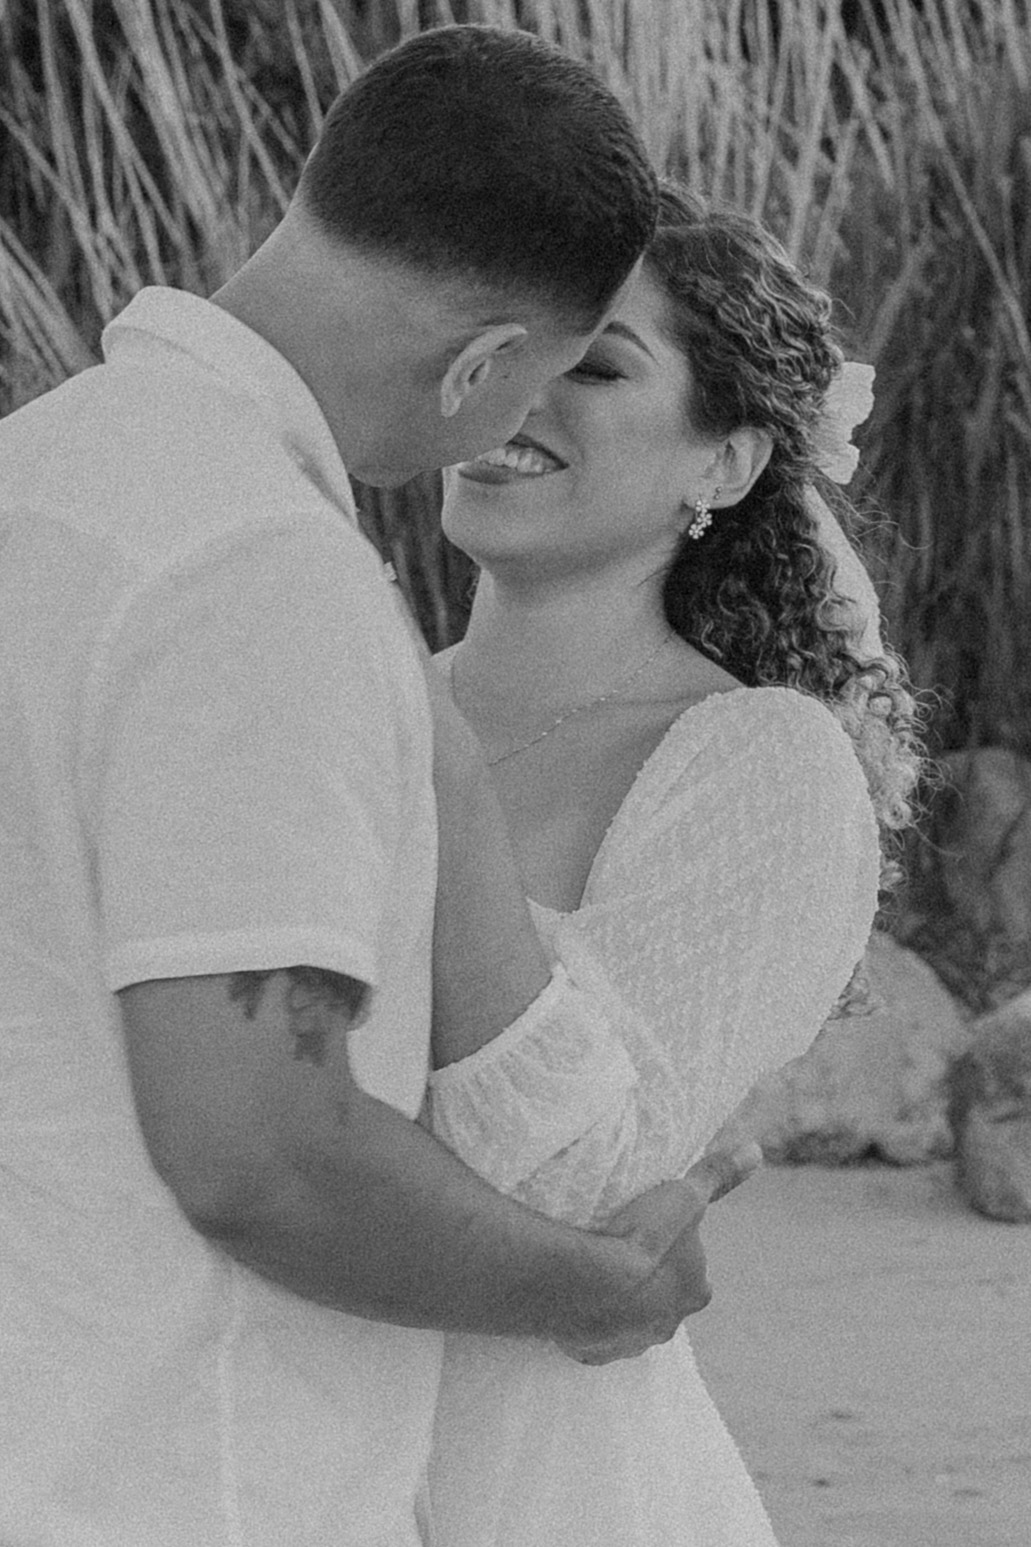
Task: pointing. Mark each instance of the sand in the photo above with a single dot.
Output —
(869, 1346)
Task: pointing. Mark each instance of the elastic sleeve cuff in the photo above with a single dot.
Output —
(536, 1089)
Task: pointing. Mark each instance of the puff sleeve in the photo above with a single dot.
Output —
(726, 910)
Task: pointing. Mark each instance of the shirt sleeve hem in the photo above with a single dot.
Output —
(194, 956)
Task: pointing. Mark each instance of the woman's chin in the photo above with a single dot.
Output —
(489, 544)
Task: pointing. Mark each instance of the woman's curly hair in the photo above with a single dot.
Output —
(756, 593)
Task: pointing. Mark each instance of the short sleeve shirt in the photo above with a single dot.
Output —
(216, 758)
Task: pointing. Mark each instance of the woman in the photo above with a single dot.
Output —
(679, 710)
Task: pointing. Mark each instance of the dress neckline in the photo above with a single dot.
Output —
(645, 776)
(648, 773)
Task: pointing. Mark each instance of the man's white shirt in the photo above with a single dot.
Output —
(216, 757)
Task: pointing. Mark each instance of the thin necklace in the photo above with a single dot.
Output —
(622, 682)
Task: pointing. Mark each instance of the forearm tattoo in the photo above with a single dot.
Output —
(318, 1002)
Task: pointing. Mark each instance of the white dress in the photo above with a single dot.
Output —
(726, 909)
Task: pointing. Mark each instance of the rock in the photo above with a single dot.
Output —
(990, 1113)
(870, 1086)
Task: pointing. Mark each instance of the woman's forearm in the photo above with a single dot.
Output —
(488, 962)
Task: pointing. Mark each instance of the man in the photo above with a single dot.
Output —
(229, 1250)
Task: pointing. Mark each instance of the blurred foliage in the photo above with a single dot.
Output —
(936, 264)
(888, 144)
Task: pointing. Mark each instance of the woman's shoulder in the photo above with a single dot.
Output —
(749, 723)
(765, 746)
(753, 773)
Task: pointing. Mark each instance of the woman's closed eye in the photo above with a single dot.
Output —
(589, 369)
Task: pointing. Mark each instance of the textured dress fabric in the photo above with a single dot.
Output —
(726, 909)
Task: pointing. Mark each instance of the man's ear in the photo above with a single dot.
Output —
(740, 460)
(470, 368)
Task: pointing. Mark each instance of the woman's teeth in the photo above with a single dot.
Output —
(521, 459)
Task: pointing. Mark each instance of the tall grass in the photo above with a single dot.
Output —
(936, 259)
(157, 141)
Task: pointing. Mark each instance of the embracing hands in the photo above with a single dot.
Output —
(663, 1226)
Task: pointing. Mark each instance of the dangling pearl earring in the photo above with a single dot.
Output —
(702, 515)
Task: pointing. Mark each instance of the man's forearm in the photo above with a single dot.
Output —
(252, 1116)
(253, 1119)
(377, 1219)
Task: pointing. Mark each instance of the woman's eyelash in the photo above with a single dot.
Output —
(596, 369)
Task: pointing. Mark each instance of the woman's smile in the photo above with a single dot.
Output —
(520, 457)
(616, 426)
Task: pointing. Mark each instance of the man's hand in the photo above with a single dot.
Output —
(664, 1223)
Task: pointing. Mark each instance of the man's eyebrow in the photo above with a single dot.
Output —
(625, 332)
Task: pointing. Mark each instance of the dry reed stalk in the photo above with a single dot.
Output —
(156, 141)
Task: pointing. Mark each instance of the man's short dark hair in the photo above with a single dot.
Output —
(490, 156)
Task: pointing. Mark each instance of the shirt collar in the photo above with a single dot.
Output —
(246, 365)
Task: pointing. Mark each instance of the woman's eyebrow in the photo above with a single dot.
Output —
(625, 332)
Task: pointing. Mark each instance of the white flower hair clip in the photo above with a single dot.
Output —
(849, 401)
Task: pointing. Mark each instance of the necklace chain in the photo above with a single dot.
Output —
(623, 681)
